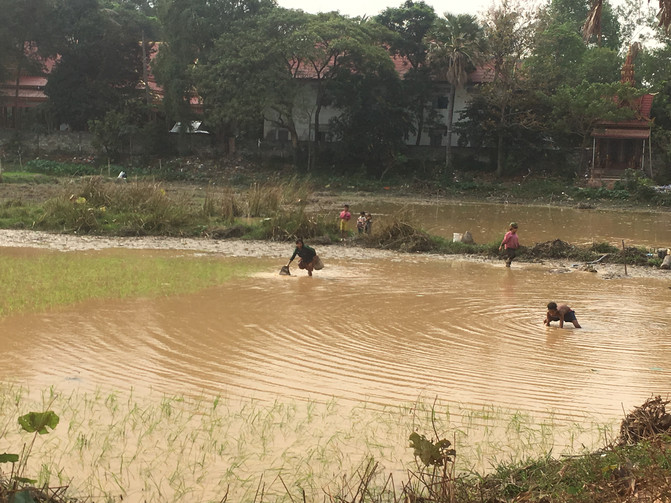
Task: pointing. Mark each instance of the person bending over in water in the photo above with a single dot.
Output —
(307, 256)
(560, 313)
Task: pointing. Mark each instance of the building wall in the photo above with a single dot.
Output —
(304, 109)
(71, 143)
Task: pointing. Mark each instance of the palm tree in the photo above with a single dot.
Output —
(455, 48)
(592, 24)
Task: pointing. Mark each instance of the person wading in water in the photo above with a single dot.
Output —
(307, 256)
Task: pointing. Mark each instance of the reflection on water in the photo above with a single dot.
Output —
(488, 222)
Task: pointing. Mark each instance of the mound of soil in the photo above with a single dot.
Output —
(645, 422)
(552, 249)
(404, 237)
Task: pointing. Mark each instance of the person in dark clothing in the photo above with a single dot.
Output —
(560, 313)
(307, 256)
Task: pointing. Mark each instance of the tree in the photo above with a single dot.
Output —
(509, 31)
(190, 30)
(253, 72)
(456, 45)
(337, 44)
(409, 25)
(100, 63)
(374, 119)
(556, 53)
(576, 109)
(639, 23)
(24, 42)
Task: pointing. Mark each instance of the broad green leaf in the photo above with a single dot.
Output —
(9, 458)
(22, 497)
(430, 453)
(39, 421)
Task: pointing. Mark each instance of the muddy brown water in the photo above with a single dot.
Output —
(381, 331)
(371, 329)
(488, 222)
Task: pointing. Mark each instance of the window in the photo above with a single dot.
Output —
(436, 137)
(283, 135)
(441, 102)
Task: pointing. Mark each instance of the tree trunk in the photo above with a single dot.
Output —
(450, 114)
(318, 108)
(294, 146)
(499, 146)
(17, 85)
(499, 156)
(145, 74)
(420, 122)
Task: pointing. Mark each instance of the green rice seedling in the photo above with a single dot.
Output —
(44, 281)
(184, 448)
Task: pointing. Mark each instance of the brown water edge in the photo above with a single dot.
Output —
(368, 330)
(538, 223)
(374, 334)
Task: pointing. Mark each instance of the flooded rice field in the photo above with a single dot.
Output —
(382, 331)
(488, 222)
(370, 346)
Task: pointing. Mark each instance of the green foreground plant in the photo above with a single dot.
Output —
(180, 448)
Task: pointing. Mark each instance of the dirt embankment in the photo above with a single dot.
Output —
(554, 259)
(281, 251)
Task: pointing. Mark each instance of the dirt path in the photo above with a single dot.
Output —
(281, 251)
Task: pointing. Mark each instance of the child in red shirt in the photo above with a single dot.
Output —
(511, 242)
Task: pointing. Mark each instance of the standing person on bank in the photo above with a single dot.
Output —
(361, 222)
(307, 256)
(511, 243)
(345, 217)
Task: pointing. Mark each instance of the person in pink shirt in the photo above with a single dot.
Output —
(511, 243)
(345, 217)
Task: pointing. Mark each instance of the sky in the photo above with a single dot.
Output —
(373, 7)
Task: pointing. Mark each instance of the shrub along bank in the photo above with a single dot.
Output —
(261, 205)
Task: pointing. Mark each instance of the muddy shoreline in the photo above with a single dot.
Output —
(282, 250)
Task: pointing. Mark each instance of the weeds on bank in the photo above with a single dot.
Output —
(15, 214)
(98, 206)
(268, 211)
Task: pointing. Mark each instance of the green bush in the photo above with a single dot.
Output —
(596, 193)
(47, 167)
(604, 248)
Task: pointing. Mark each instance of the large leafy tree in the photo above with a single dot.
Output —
(577, 109)
(280, 65)
(456, 46)
(409, 25)
(374, 119)
(507, 108)
(100, 63)
(574, 13)
(337, 44)
(190, 31)
(25, 40)
(253, 71)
